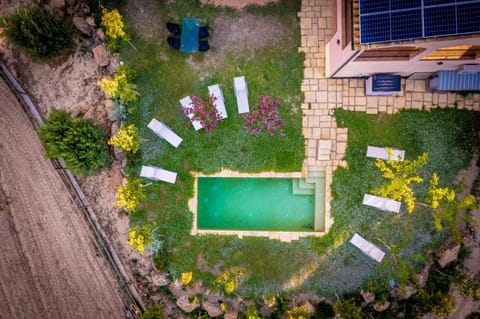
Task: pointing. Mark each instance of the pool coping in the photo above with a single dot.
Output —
(285, 236)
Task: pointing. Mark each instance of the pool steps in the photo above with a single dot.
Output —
(313, 185)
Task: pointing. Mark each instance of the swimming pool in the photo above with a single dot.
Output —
(259, 204)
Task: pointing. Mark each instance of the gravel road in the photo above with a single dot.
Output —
(49, 266)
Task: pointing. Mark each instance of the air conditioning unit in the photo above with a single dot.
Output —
(468, 68)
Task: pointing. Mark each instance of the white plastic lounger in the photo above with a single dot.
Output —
(381, 152)
(159, 174)
(241, 92)
(367, 247)
(163, 131)
(187, 102)
(219, 101)
(382, 203)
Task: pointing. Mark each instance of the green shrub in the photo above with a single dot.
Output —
(37, 32)
(79, 141)
(153, 312)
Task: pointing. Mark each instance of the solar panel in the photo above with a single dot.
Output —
(406, 25)
(470, 21)
(375, 28)
(440, 21)
(372, 6)
(405, 4)
(436, 2)
(395, 20)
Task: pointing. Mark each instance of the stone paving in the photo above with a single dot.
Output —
(325, 142)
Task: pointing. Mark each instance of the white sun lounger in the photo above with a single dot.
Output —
(382, 203)
(159, 174)
(241, 92)
(381, 152)
(187, 102)
(163, 131)
(219, 102)
(367, 248)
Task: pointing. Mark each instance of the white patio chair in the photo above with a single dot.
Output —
(158, 174)
(367, 247)
(187, 103)
(382, 203)
(382, 153)
(163, 131)
(240, 89)
(219, 102)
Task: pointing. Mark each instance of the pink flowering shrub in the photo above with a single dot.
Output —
(264, 117)
(203, 111)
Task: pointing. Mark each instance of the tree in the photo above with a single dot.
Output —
(400, 176)
(112, 22)
(127, 138)
(139, 237)
(120, 86)
(130, 195)
(35, 30)
(79, 141)
(264, 117)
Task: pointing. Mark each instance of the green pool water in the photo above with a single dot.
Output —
(263, 204)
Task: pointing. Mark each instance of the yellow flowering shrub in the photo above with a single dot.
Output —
(437, 194)
(231, 279)
(130, 194)
(140, 237)
(400, 177)
(186, 277)
(127, 138)
(112, 21)
(120, 86)
(223, 307)
(298, 312)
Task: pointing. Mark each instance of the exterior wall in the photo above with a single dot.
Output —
(340, 63)
(335, 56)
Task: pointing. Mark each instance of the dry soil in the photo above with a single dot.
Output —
(49, 266)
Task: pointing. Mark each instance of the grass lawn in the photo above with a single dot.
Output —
(326, 265)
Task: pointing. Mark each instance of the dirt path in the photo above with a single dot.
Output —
(48, 267)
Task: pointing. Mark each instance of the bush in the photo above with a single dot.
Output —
(37, 32)
(130, 195)
(112, 22)
(79, 141)
(127, 138)
(120, 87)
(153, 312)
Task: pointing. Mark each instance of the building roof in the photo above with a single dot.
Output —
(386, 21)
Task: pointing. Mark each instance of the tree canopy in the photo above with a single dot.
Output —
(79, 141)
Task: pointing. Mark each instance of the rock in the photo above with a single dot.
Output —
(160, 279)
(114, 128)
(57, 4)
(81, 24)
(184, 304)
(90, 21)
(101, 34)
(231, 315)
(367, 296)
(101, 55)
(401, 294)
(381, 307)
(176, 288)
(213, 309)
(108, 105)
(448, 255)
(310, 308)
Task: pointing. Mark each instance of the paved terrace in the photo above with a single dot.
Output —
(325, 143)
